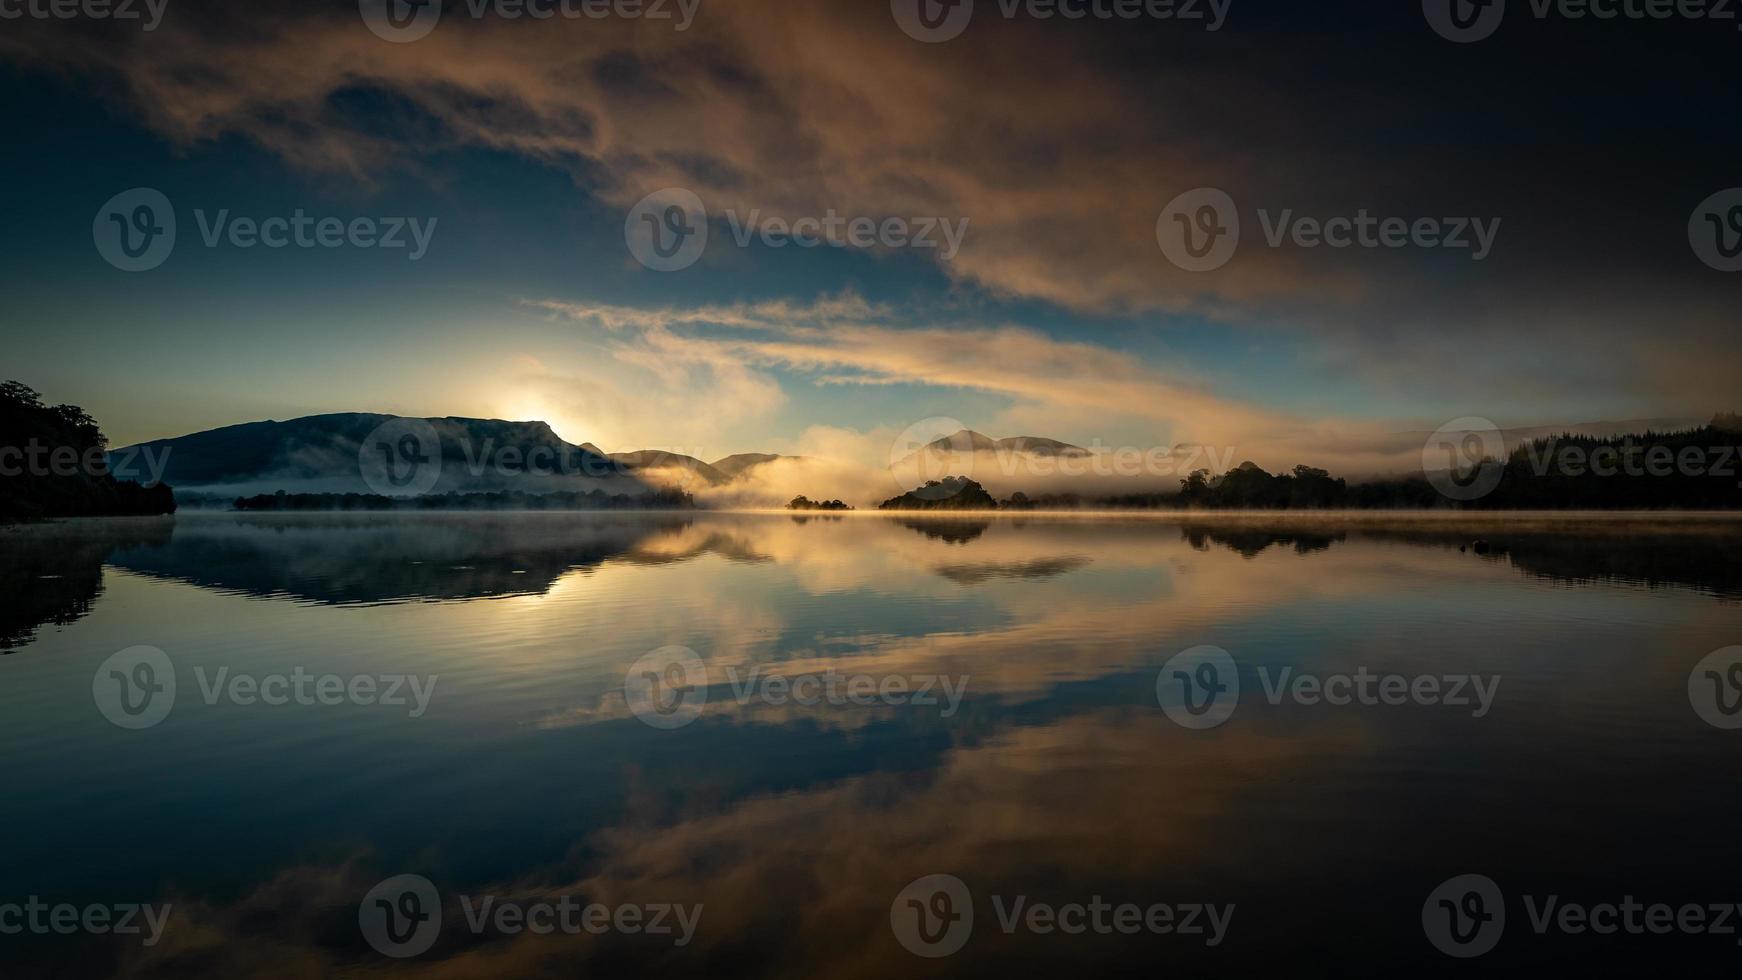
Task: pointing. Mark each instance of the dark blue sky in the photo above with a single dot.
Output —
(528, 145)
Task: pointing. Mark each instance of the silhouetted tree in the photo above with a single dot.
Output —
(52, 464)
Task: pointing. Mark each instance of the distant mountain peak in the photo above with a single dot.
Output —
(967, 440)
(963, 440)
(737, 465)
(650, 459)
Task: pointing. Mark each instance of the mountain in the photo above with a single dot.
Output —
(385, 455)
(736, 466)
(967, 440)
(1037, 446)
(655, 459)
(328, 453)
(962, 441)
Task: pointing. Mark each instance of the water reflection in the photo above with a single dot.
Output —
(55, 572)
(52, 576)
(794, 824)
(1252, 541)
(953, 531)
(378, 559)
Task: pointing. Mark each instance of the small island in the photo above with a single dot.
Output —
(801, 502)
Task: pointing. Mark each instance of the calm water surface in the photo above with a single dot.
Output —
(530, 775)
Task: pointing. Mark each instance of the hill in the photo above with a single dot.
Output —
(328, 454)
(965, 441)
(736, 466)
(657, 459)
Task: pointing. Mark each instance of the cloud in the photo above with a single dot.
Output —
(657, 389)
(1059, 151)
(844, 340)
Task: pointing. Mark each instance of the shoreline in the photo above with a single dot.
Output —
(1369, 517)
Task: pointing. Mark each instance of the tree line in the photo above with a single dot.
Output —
(53, 464)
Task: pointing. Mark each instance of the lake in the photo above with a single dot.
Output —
(869, 745)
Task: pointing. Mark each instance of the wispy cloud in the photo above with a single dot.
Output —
(1083, 391)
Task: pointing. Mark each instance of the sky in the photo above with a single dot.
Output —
(538, 155)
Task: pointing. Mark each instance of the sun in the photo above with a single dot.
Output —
(569, 427)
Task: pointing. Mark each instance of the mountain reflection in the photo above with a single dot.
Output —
(795, 824)
(345, 560)
(52, 574)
